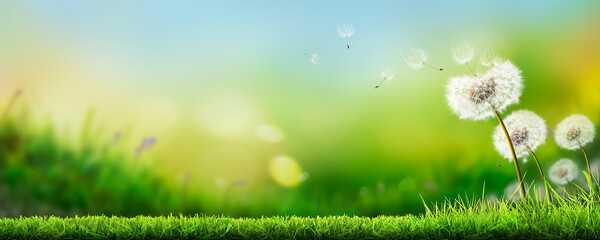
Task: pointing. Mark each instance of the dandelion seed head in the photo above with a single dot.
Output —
(470, 97)
(563, 171)
(527, 131)
(387, 74)
(462, 52)
(345, 31)
(414, 57)
(574, 131)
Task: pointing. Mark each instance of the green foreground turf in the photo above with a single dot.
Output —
(500, 221)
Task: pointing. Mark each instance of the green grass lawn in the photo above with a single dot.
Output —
(571, 220)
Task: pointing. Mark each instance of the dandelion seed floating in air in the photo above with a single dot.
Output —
(386, 76)
(527, 131)
(345, 32)
(487, 58)
(314, 58)
(463, 54)
(416, 58)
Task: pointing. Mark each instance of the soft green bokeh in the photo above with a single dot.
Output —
(203, 76)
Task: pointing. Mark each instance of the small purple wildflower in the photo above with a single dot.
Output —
(146, 144)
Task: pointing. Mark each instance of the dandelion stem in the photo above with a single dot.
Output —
(592, 188)
(470, 69)
(512, 150)
(587, 161)
(543, 177)
(11, 102)
(434, 68)
(571, 186)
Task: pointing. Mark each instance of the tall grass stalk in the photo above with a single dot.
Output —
(10, 104)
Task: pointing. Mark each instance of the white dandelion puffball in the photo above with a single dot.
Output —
(526, 130)
(314, 58)
(574, 131)
(563, 171)
(345, 31)
(470, 97)
(462, 53)
(387, 74)
(414, 57)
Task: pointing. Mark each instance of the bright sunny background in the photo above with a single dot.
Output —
(232, 100)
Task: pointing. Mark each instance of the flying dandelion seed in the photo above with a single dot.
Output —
(563, 172)
(313, 58)
(527, 131)
(345, 32)
(416, 58)
(386, 76)
(476, 97)
(487, 58)
(463, 54)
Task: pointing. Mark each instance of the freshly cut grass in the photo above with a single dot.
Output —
(570, 219)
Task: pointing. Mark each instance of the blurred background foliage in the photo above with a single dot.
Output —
(195, 107)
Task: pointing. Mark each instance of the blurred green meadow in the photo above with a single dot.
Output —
(154, 108)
